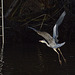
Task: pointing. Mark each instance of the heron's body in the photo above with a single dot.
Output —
(52, 41)
(49, 39)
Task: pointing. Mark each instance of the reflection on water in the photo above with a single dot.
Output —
(24, 55)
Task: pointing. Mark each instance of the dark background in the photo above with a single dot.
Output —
(23, 54)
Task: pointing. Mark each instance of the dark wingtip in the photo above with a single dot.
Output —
(32, 29)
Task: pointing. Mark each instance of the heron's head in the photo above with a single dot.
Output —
(42, 41)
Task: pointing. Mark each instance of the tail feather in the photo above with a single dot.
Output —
(59, 45)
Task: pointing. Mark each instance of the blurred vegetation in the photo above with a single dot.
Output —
(36, 11)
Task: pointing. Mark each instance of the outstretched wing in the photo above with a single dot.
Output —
(55, 28)
(45, 35)
(33, 29)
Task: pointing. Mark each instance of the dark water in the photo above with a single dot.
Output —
(24, 55)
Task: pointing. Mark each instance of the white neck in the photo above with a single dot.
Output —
(47, 44)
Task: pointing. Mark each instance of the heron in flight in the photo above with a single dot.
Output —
(53, 41)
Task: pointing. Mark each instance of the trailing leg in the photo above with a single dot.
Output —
(62, 55)
(58, 55)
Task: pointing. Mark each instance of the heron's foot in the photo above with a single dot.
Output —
(64, 60)
(60, 62)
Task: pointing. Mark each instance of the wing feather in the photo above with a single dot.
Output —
(45, 35)
(55, 28)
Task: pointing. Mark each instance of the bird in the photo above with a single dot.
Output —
(50, 41)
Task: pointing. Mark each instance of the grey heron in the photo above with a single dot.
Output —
(53, 41)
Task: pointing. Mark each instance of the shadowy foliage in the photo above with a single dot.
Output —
(37, 12)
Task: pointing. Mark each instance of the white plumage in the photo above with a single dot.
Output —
(52, 41)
